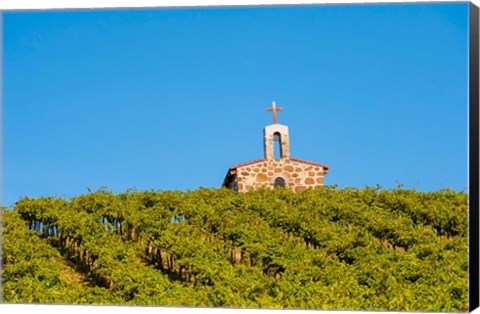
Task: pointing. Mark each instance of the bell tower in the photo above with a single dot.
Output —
(277, 168)
(276, 134)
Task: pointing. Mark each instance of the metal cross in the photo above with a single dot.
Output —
(274, 110)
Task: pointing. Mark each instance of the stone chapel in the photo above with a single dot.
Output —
(270, 171)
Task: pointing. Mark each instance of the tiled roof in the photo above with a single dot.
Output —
(310, 162)
(292, 159)
(248, 163)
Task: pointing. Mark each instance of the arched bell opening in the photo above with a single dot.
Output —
(277, 145)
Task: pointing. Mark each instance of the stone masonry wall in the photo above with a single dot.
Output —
(297, 175)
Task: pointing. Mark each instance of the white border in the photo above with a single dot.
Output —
(85, 4)
(59, 4)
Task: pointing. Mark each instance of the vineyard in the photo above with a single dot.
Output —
(368, 248)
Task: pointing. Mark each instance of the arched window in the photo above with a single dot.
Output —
(277, 145)
(279, 181)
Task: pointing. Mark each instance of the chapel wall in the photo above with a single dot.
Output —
(298, 176)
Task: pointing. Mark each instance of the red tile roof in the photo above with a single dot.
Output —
(310, 162)
(292, 159)
(247, 163)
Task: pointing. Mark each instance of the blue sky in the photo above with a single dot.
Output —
(170, 98)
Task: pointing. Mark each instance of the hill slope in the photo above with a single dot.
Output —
(326, 249)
